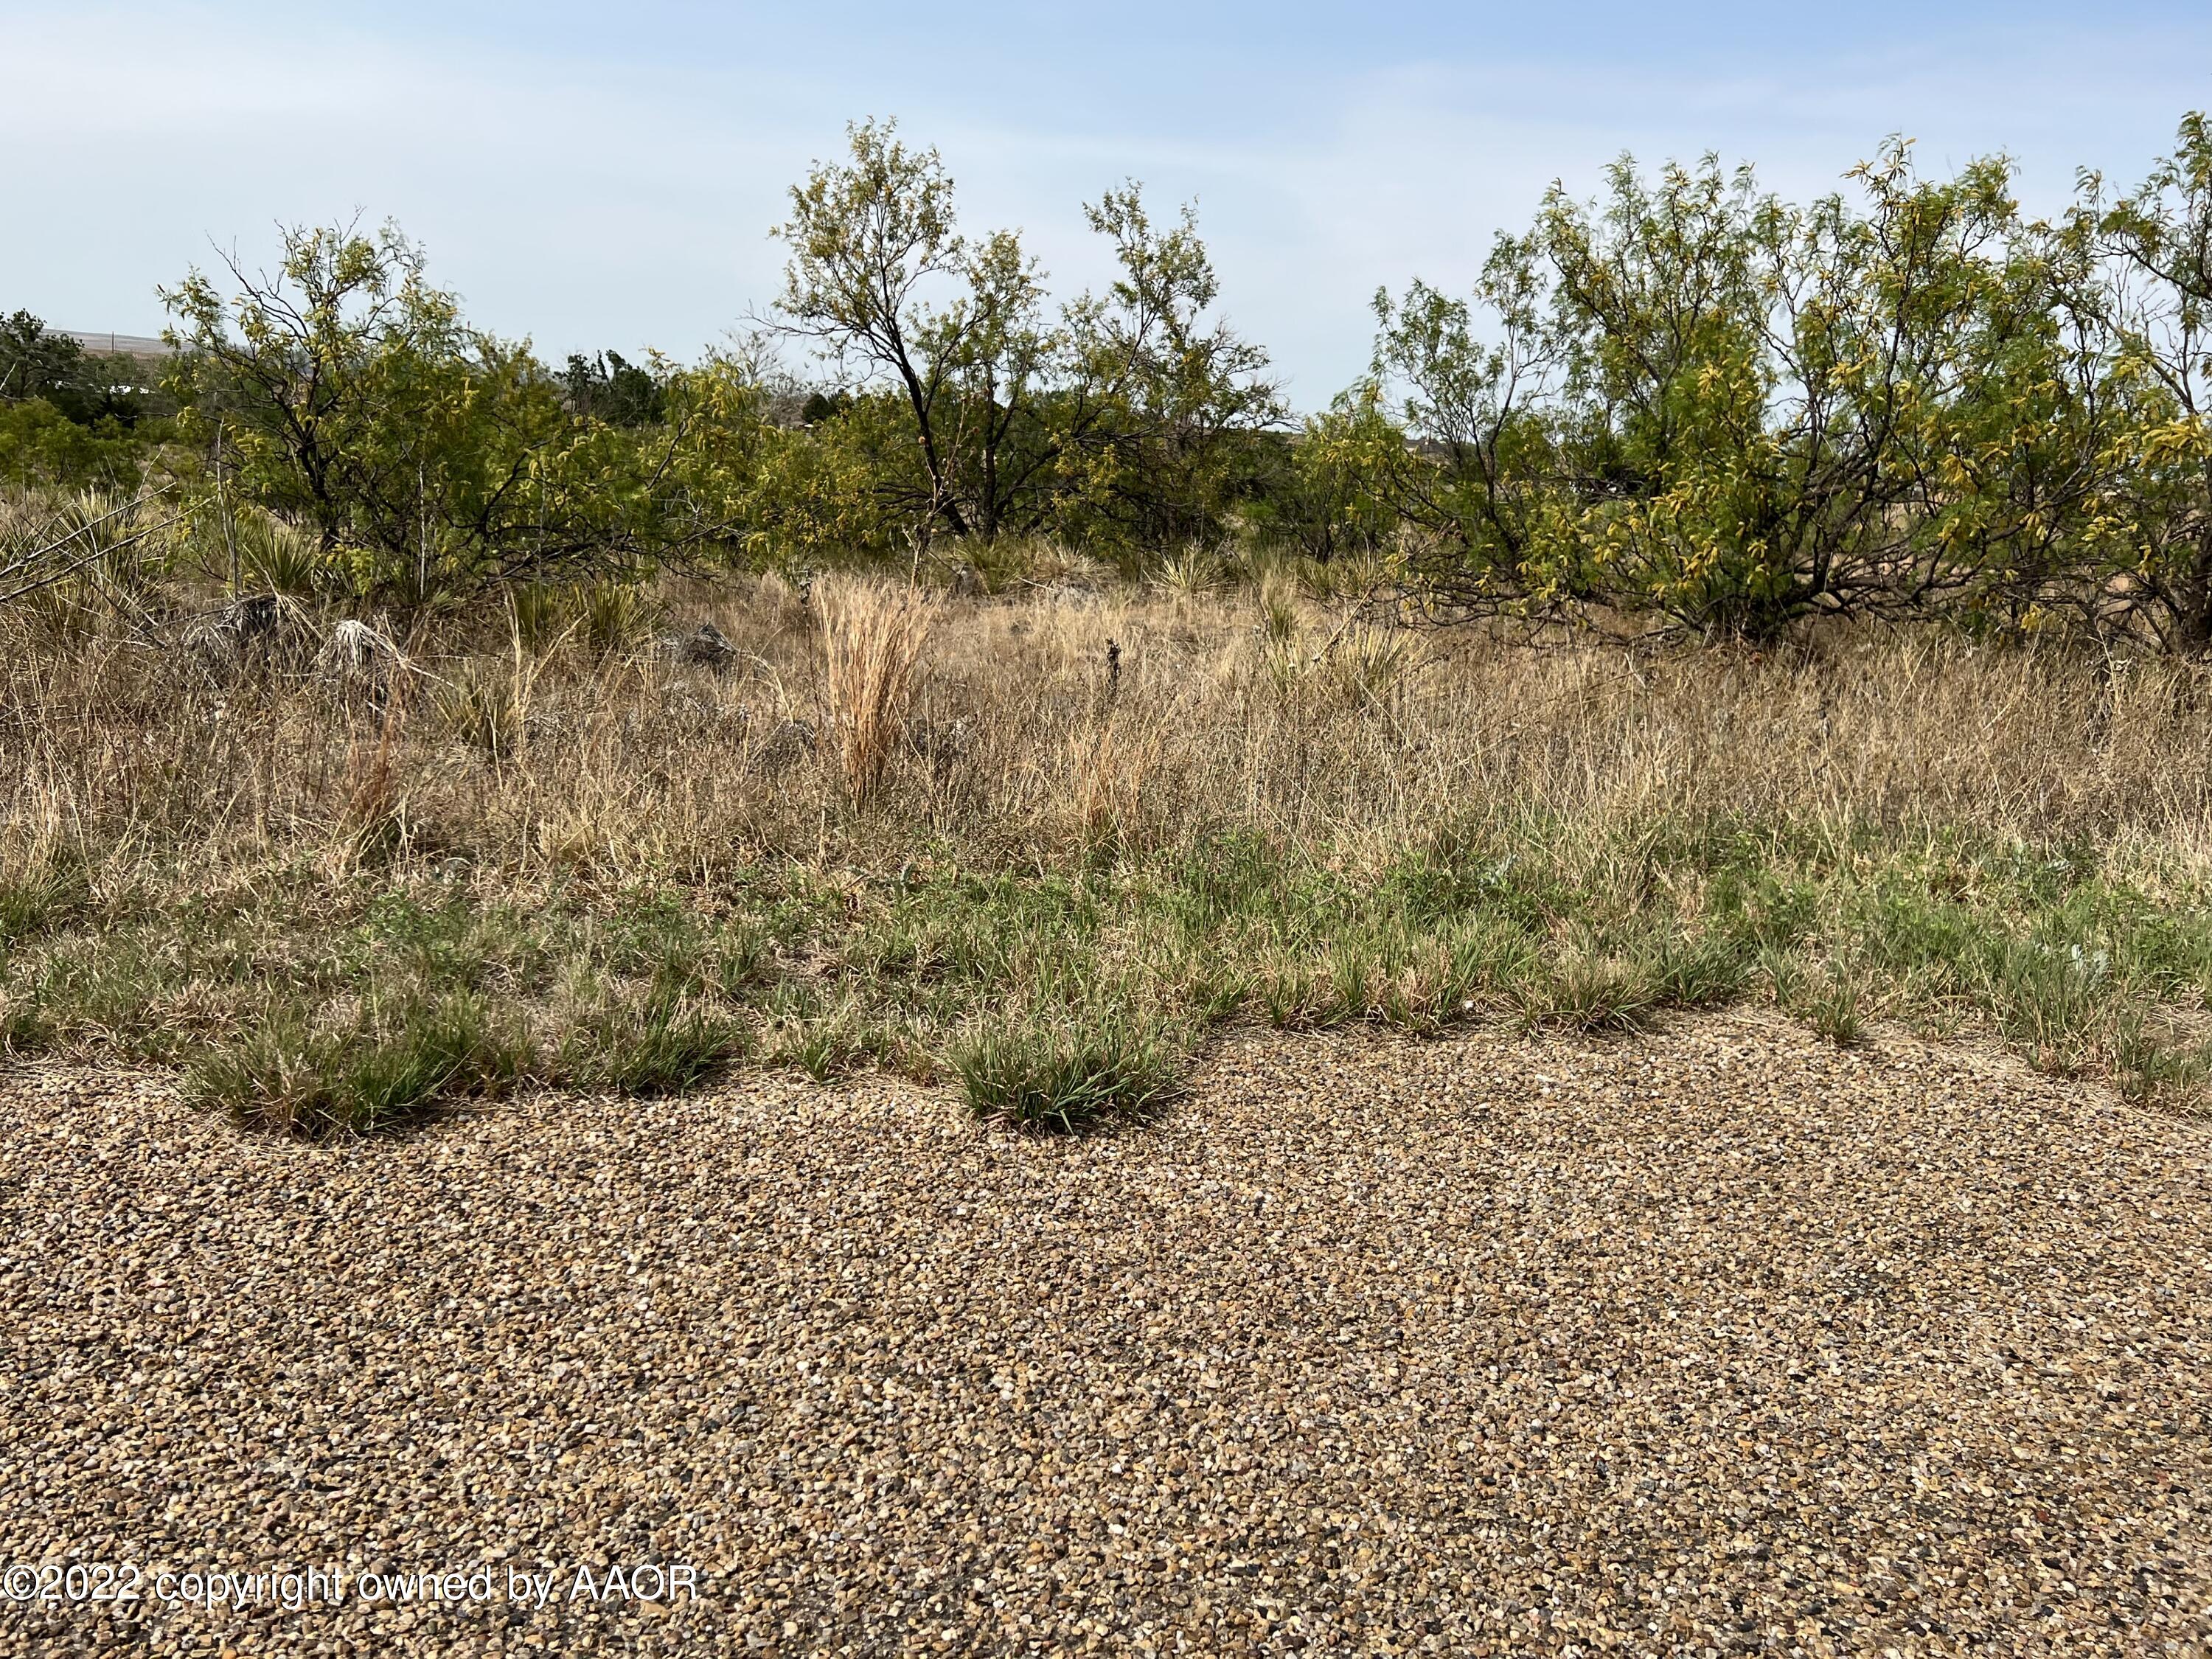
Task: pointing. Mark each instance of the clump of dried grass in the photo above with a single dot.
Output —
(872, 635)
(1113, 783)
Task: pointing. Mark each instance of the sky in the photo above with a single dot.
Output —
(606, 175)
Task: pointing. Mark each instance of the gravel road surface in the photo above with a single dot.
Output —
(1717, 1341)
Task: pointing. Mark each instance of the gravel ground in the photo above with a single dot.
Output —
(1716, 1340)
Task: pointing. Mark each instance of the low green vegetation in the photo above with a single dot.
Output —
(1057, 1000)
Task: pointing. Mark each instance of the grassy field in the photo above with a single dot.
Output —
(1040, 844)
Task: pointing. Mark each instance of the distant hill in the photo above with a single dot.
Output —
(134, 345)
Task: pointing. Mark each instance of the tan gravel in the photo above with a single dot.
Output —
(1716, 1340)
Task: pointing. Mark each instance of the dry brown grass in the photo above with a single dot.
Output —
(1369, 745)
(870, 739)
(872, 635)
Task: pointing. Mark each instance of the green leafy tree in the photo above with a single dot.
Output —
(1658, 321)
(1478, 475)
(1934, 413)
(34, 363)
(867, 237)
(70, 419)
(610, 388)
(1002, 360)
(2150, 542)
(1704, 403)
(346, 393)
(1166, 403)
(1126, 416)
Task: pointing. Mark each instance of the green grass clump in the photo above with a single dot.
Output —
(34, 900)
(662, 1047)
(1066, 1075)
(1585, 991)
(289, 1077)
(1833, 1008)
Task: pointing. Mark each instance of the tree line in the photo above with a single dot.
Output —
(1685, 405)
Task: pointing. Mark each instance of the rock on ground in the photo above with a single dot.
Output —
(1719, 1340)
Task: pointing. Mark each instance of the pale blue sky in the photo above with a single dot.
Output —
(597, 175)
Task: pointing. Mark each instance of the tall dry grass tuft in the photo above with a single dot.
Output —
(872, 635)
(373, 814)
(1113, 783)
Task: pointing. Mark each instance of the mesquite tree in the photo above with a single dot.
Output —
(980, 410)
(344, 392)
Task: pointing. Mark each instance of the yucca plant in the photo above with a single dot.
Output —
(1193, 572)
(1369, 663)
(276, 556)
(488, 707)
(540, 613)
(613, 617)
(96, 555)
(1279, 610)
